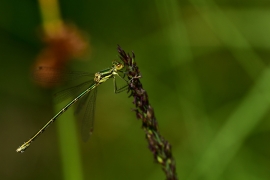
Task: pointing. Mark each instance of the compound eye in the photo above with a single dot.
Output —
(119, 66)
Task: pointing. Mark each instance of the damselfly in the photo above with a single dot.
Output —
(99, 78)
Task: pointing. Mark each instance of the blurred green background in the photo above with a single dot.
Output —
(204, 64)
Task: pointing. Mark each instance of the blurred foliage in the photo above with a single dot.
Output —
(204, 64)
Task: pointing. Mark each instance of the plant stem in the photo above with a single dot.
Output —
(68, 139)
(50, 14)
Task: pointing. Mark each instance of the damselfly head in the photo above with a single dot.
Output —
(117, 65)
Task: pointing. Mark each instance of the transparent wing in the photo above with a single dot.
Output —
(54, 76)
(73, 83)
(73, 91)
(85, 110)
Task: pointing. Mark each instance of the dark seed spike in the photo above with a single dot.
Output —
(160, 148)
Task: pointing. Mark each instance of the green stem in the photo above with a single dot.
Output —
(69, 147)
(68, 140)
(50, 15)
